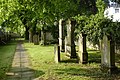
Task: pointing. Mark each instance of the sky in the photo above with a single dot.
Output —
(113, 11)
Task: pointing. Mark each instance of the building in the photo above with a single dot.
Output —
(113, 11)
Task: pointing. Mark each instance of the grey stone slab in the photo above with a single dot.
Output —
(15, 76)
(27, 78)
(27, 74)
(14, 79)
(24, 59)
(15, 70)
(25, 69)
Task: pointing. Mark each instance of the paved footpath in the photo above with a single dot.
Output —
(20, 69)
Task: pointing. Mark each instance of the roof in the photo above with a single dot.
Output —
(113, 4)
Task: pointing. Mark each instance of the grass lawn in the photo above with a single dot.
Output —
(6, 56)
(42, 58)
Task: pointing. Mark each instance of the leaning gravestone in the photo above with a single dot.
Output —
(65, 44)
(108, 55)
(82, 54)
(57, 53)
(36, 39)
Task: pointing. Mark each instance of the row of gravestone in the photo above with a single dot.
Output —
(107, 47)
(35, 38)
(5, 36)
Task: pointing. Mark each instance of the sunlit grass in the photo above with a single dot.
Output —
(6, 56)
(42, 58)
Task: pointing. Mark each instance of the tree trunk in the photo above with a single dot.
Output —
(43, 37)
(30, 36)
(27, 33)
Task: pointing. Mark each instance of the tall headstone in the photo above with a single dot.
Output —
(108, 55)
(61, 35)
(70, 45)
(82, 54)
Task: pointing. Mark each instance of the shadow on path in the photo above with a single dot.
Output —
(21, 66)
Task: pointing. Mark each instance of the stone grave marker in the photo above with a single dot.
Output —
(82, 54)
(57, 53)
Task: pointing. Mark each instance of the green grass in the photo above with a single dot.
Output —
(6, 56)
(42, 58)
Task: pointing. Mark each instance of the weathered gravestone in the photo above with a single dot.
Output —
(61, 35)
(117, 47)
(36, 39)
(108, 55)
(82, 54)
(70, 45)
(57, 53)
(66, 45)
(30, 36)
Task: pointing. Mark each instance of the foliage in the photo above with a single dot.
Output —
(6, 8)
(99, 25)
(46, 10)
(39, 14)
(96, 25)
(12, 24)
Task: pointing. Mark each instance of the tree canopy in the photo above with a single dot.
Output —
(43, 13)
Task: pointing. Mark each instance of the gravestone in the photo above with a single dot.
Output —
(117, 47)
(43, 37)
(70, 45)
(82, 54)
(30, 36)
(61, 35)
(108, 55)
(36, 39)
(57, 53)
(66, 44)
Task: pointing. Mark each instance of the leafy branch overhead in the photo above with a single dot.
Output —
(43, 13)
